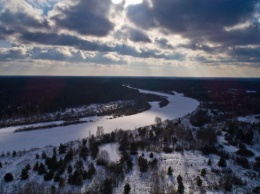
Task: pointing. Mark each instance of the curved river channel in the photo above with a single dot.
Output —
(178, 106)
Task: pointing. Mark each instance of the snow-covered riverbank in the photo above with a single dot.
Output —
(178, 106)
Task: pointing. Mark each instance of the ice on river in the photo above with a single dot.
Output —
(178, 106)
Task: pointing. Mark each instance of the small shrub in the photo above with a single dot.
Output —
(203, 172)
(222, 162)
(198, 181)
(8, 177)
(170, 171)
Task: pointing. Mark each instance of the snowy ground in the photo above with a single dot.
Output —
(187, 164)
(112, 150)
(178, 106)
(249, 119)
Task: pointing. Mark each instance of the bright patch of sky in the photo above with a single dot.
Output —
(44, 5)
(128, 2)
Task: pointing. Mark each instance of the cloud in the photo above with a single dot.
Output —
(78, 43)
(163, 43)
(246, 54)
(200, 20)
(63, 40)
(12, 54)
(58, 54)
(198, 46)
(138, 36)
(85, 17)
(19, 15)
(152, 32)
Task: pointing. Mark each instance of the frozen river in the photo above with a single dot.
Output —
(178, 106)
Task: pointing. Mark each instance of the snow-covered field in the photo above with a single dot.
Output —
(178, 106)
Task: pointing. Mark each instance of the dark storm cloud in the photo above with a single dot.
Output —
(247, 36)
(138, 36)
(75, 42)
(4, 32)
(67, 40)
(11, 54)
(141, 15)
(200, 19)
(204, 22)
(85, 17)
(63, 40)
(250, 55)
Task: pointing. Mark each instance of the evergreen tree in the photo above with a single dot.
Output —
(42, 169)
(44, 155)
(62, 149)
(133, 148)
(203, 172)
(107, 187)
(143, 164)
(84, 153)
(28, 167)
(57, 177)
(14, 154)
(127, 189)
(198, 181)
(54, 152)
(222, 162)
(62, 182)
(8, 177)
(24, 174)
(91, 171)
(94, 150)
(69, 155)
(48, 176)
(70, 169)
(36, 166)
(170, 171)
(180, 184)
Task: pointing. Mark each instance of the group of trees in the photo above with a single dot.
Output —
(70, 164)
(31, 98)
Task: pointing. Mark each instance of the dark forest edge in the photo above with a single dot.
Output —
(32, 98)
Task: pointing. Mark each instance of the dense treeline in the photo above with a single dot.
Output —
(237, 96)
(27, 96)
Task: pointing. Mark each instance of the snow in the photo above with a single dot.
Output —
(249, 119)
(187, 164)
(250, 91)
(178, 106)
(112, 150)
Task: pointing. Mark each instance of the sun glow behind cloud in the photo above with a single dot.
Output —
(127, 2)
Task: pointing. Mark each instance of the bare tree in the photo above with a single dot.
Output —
(100, 131)
(158, 120)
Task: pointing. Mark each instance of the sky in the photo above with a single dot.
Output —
(191, 38)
